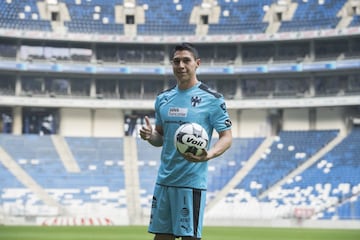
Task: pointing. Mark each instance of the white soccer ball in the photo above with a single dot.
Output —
(191, 137)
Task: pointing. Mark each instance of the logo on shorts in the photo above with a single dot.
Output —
(154, 203)
(184, 212)
(185, 219)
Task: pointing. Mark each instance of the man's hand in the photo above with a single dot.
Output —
(193, 158)
(146, 130)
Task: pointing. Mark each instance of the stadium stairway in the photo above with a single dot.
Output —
(345, 18)
(242, 173)
(287, 13)
(65, 154)
(28, 181)
(132, 184)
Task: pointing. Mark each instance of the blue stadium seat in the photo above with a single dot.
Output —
(292, 149)
(333, 180)
(83, 21)
(149, 161)
(29, 20)
(245, 17)
(355, 22)
(224, 168)
(100, 180)
(313, 16)
(330, 186)
(165, 19)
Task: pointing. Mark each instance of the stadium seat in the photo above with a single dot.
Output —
(313, 16)
(22, 15)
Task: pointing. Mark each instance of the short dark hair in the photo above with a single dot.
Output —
(185, 46)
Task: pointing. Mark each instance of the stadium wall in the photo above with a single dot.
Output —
(331, 117)
(246, 123)
(252, 123)
(91, 122)
(296, 119)
(76, 122)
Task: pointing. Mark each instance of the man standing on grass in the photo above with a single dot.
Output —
(180, 192)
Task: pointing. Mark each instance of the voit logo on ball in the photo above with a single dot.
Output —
(192, 141)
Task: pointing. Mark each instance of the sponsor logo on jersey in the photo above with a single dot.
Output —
(177, 112)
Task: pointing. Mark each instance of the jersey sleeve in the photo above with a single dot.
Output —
(219, 116)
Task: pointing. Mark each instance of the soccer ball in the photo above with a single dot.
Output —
(191, 137)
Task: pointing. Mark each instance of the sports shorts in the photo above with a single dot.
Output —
(177, 211)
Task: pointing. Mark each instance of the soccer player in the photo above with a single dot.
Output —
(180, 191)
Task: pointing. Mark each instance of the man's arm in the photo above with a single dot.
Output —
(224, 143)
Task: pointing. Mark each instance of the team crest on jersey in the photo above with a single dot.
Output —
(195, 100)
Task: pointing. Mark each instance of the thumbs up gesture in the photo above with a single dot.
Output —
(146, 130)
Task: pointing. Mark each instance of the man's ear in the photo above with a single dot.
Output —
(198, 61)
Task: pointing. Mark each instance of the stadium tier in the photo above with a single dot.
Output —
(330, 183)
(175, 17)
(242, 17)
(286, 153)
(311, 15)
(167, 19)
(96, 179)
(227, 165)
(329, 186)
(22, 15)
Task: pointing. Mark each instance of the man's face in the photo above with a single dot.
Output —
(184, 65)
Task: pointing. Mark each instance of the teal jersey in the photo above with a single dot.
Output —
(174, 107)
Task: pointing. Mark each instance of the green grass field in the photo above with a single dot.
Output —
(140, 233)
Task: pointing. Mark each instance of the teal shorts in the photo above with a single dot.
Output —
(177, 211)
